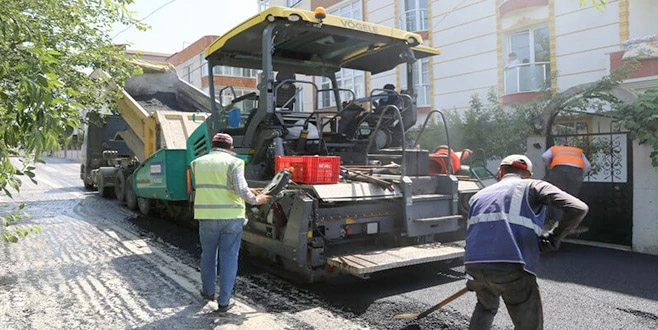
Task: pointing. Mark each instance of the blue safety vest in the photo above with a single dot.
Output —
(502, 227)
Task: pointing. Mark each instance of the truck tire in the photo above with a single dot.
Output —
(86, 180)
(131, 198)
(103, 189)
(463, 205)
(120, 186)
(144, 205)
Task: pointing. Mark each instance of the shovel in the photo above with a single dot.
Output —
(446, 301)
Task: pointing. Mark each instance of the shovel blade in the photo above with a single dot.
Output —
(408, 316)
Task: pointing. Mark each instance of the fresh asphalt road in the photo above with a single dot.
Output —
(582, 287)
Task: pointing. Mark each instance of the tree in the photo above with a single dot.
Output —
(640, 118)
(48, 47)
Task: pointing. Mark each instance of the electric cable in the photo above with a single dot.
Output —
(144, 18)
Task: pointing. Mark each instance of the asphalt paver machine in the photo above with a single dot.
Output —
(379, 209)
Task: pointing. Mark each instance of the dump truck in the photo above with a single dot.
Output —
(156, 110)
(360, 199)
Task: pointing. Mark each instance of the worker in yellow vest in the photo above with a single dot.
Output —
(220, 192)
(566, 168)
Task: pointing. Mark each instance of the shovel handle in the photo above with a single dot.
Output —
(442, 303)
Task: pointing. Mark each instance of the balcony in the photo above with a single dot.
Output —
(645, 66)
(526, 77)
(414, 20)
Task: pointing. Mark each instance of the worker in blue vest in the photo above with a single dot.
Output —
(505, 237)
(220, 192)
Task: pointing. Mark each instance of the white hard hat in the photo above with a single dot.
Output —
(518, 161)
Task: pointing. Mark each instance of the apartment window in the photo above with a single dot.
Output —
(204, 68)
(421, 72)
(349, 10)
(527, 62)
(188, 73)
(414, 17)
(346, 78)
(230, 71)
(227, 97)
(263, 4)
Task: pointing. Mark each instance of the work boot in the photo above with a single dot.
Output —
(210, 297)
(225, 308)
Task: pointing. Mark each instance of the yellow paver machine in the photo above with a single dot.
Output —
(383, 210)
(361, 199)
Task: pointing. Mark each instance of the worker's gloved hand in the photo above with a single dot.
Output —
(262, 199)
(549, 243)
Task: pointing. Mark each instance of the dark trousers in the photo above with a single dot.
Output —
(567, 178)
(519, 291)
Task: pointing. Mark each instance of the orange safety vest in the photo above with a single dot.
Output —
(438, 163)
(567, 155)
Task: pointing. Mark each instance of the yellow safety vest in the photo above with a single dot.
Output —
(214, 199)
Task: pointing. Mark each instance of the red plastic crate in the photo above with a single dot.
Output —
(310, 169)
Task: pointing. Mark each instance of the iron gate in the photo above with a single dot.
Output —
(608, 187)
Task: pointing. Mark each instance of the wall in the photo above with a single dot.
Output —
(65, 154)
(466, 34)
(194, 63)
(642, 18)
(645, 201)
(584, 37)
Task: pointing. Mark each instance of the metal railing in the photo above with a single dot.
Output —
(526, 77)
(414, 20)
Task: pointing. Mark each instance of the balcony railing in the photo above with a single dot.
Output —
(526, 77)
(414, 20)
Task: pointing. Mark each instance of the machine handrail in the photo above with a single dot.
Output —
(221, 94)
(404, 147)
(445, 126)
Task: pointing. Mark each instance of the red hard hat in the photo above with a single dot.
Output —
(222, 137)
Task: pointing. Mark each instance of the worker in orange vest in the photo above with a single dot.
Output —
(438, 161)
(566, 168)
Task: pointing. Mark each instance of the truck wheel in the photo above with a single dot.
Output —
(120, 186)
(144, 205)
(88, 185)
(103, 189)
(463, 204)
(131, 198)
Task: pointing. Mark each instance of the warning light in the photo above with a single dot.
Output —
(320, 13)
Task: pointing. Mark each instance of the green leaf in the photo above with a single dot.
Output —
(9, 237)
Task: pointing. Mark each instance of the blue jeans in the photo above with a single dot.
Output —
(221, 236)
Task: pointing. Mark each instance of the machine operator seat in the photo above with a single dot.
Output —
(285, 95)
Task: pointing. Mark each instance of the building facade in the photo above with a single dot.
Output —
(192, 67)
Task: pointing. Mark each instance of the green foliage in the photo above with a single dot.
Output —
(598, 4)
(485, 126)
(48, 48)
(640, 118)
(13, 232)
